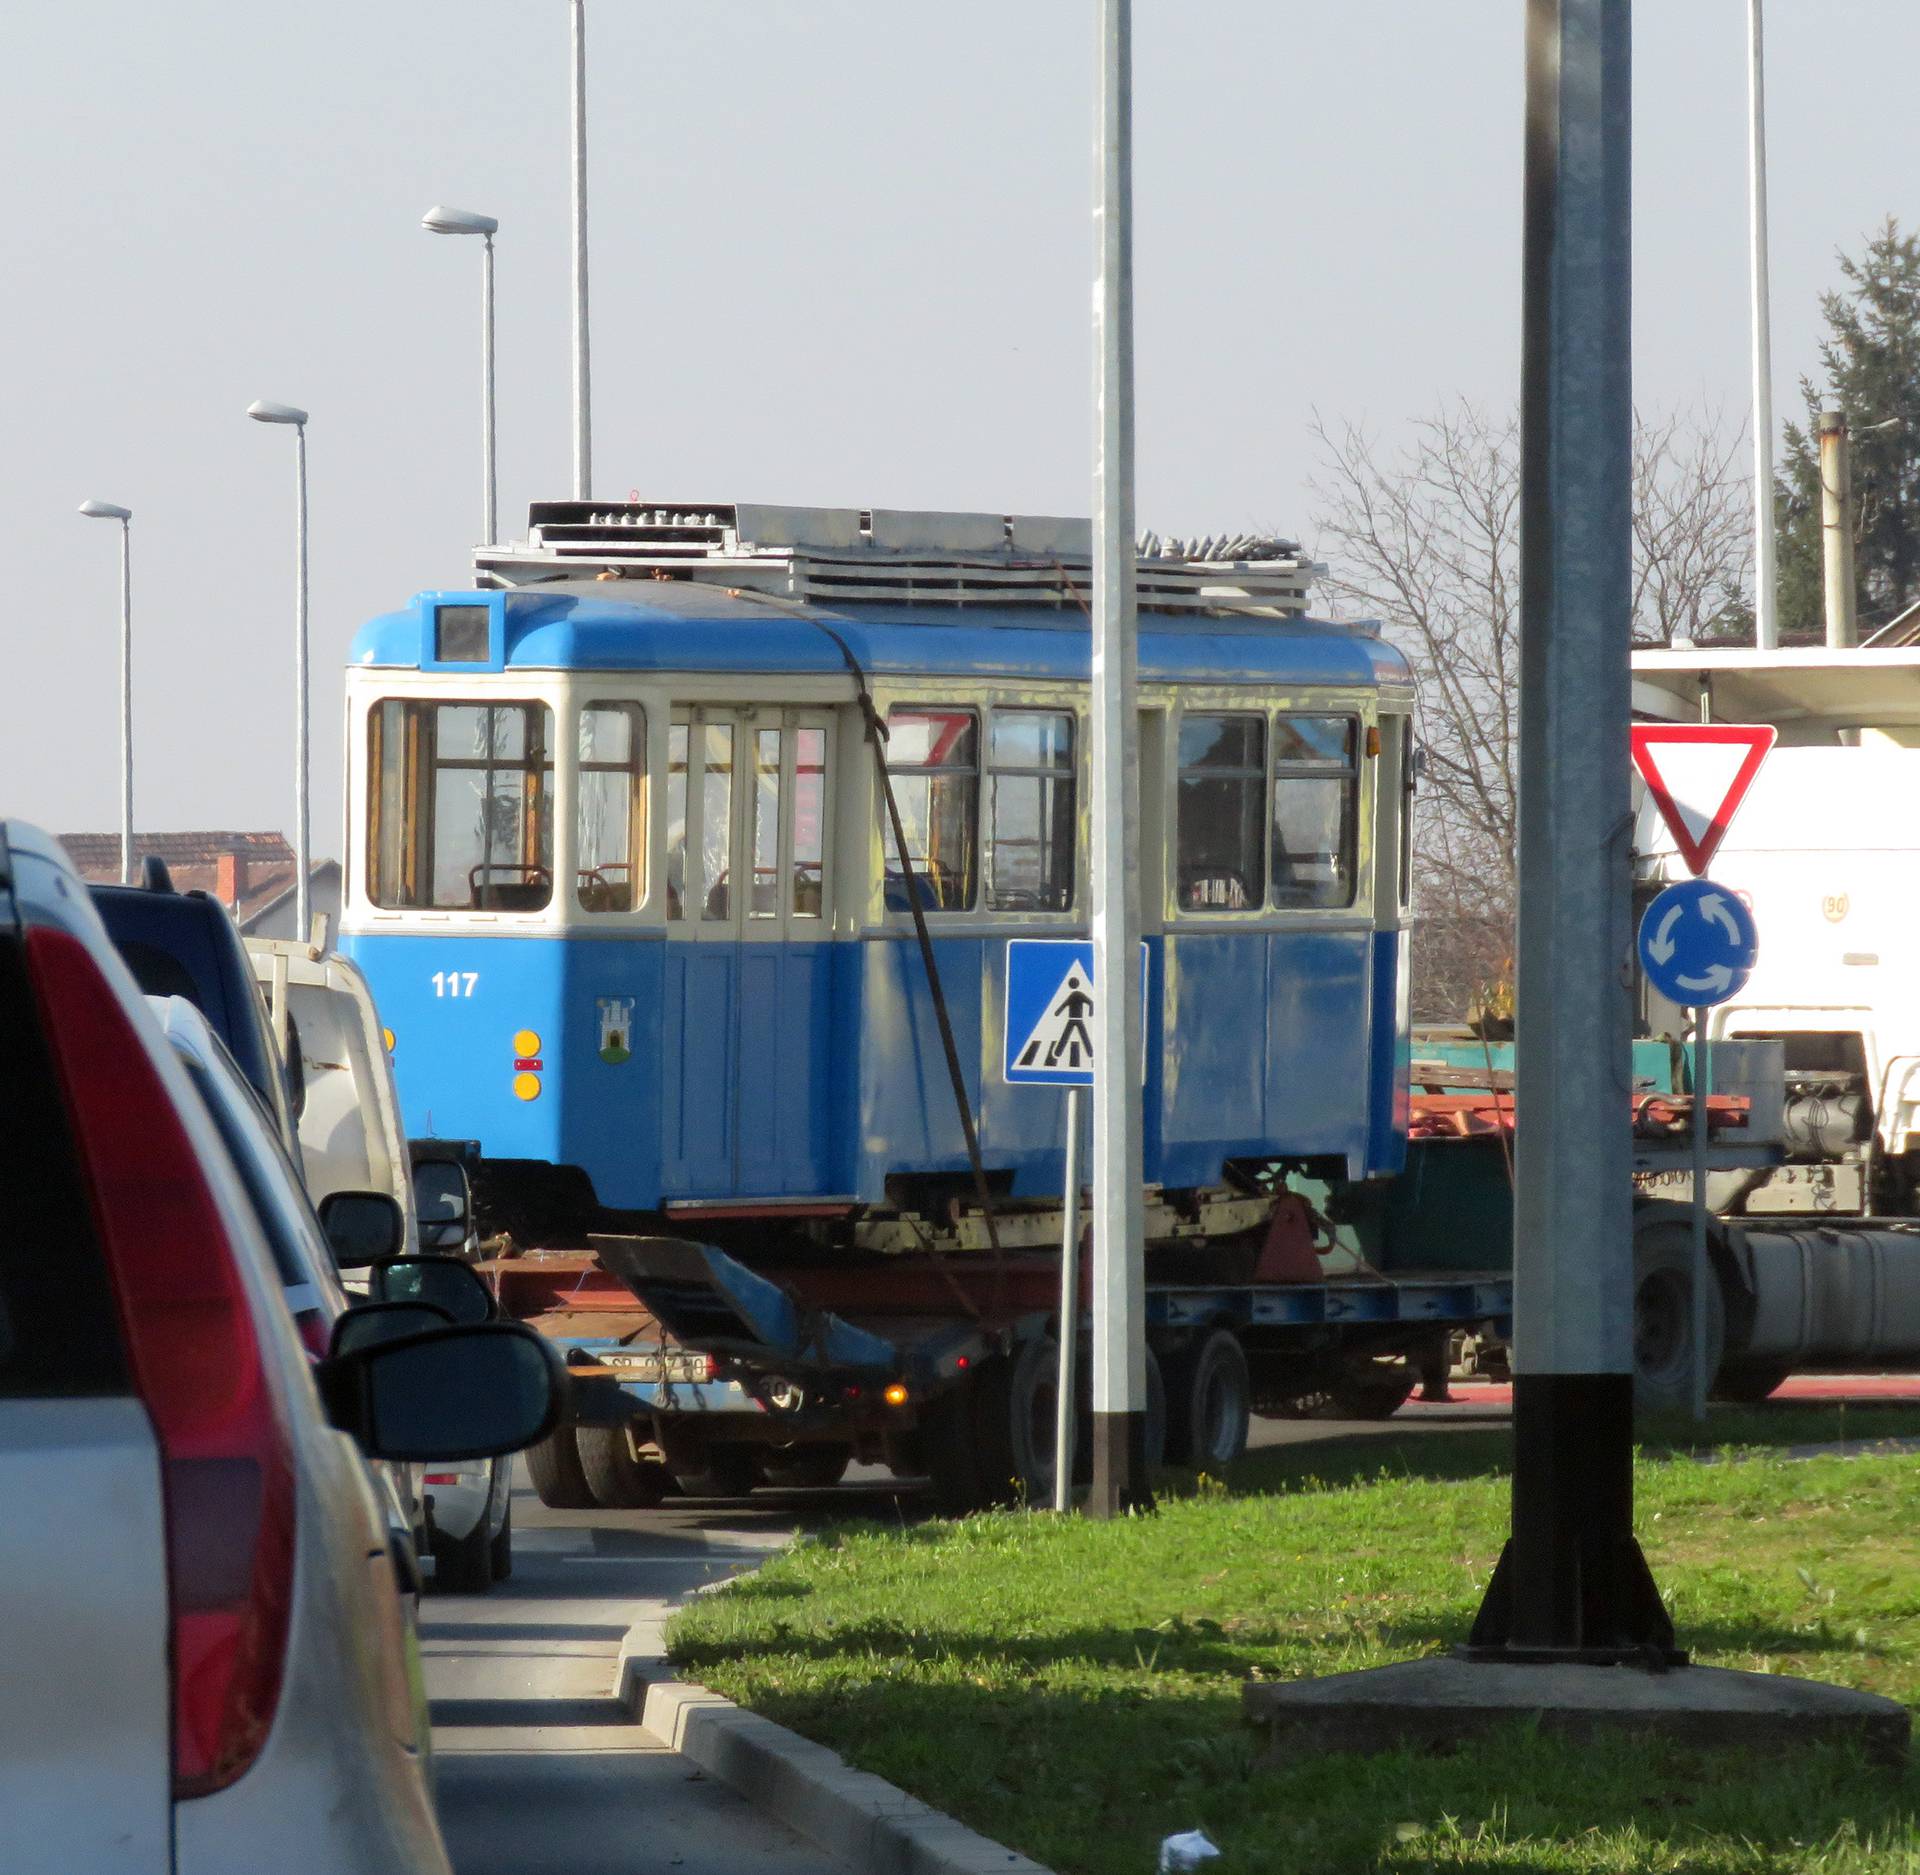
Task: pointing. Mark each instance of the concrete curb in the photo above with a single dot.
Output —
(870, 1825)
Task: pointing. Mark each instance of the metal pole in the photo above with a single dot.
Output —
(582, 393)
(1766, 620)
(1836, 529)
(1069, 1308)
(126, 702)
(1701, 1276)
(1571, 1584)
(490, 514)
(1119, 1285)
(302, 851)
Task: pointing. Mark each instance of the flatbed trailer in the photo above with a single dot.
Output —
(712, 1372)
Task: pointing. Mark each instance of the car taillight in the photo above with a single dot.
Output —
(197, 1361)
(441, 1477)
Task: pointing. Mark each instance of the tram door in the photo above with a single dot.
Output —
(749, 871)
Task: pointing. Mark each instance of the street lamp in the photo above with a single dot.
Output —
(463, 221)
(1766, 621)
(112, 511)
(582, 393)
(262, 412)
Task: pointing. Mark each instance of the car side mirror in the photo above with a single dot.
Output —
(443, 1197)
(453, 1393)
(368, 1324)
(446, 1282)
(362, 1226)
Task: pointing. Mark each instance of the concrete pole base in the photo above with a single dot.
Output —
(1441, 1701)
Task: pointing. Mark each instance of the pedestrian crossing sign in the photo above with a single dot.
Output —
(1050, 1008)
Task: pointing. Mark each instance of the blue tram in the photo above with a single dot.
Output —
(621, 877)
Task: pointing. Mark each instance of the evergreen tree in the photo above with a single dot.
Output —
(1871, 362)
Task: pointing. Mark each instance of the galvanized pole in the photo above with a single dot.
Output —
(490, 519)
(1836, 529)
(302, 847)
(1119, 1274)
(1069, 1309)
(582, 391)
(1699, 1275)
(1766, 620)
(126, 700)
(1571, 1584)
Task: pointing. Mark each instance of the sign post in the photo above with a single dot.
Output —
(1119, 1250)
(1697, 948)
(1054, 1017)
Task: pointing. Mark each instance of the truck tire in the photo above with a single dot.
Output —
(1015, 1405)
(1748, 1386)
(1208, 1393)
(618, 1480)
(1376, 1395)
(946, 1441)
(725, 1471)
(805, 1467)
(463, 1565)
(554, 1467)
(1663, 1313)
(500, 1550)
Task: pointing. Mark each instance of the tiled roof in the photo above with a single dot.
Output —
(193, 859)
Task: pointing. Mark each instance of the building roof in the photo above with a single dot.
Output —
(259, 867)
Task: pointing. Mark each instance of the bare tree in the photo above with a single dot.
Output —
(1428, 542)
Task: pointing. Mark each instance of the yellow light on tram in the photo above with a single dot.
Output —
(896, 1393)
(386, 1035)
(526, 1087)
(525, 1043)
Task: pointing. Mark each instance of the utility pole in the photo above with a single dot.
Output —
(1766, 617)
(1572, 1584)
(1119, 1251)
(582, 376)
(1836, 527)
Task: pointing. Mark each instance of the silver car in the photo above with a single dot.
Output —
(202, 1661)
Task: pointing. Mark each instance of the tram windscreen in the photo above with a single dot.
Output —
(1315, 802)
(460, 805)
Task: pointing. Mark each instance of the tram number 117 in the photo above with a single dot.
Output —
(455, 982)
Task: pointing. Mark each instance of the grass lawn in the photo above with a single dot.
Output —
(1073, 1689)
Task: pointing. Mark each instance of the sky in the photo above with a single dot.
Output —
(841, 255)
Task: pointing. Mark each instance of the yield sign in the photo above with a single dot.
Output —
(1698, 774)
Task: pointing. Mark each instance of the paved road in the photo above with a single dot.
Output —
(539, 1768)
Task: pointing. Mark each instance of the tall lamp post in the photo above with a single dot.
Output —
(1766, 620)
(463, 221)
(582, 395)
(111, 511)
(262, 412)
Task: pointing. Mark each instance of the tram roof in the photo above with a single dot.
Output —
(688, 626)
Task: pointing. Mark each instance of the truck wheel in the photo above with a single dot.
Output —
(1378, 1394)
(1015, 1407)
(726, 1471)
(1663, 1315)
(554, 1467)
(947, 1444)
(1208, 1390)
(463, 1565)
(806, 1467)
(618, 1480)
(1748, 1386)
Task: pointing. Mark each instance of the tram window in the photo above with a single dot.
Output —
(1316, 787)
(933, 756)
(765, 902)
(1031, 811)
(677, 739)
(716, 821)
(612, 818)
(460, 806)
(809, 822)
(1220, 838)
